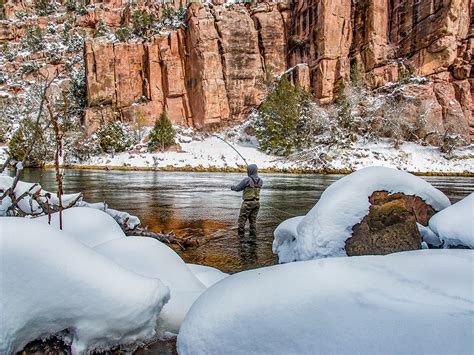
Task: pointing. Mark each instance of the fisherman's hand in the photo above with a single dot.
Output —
(232, 187)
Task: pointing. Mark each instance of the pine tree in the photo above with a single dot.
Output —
(282, 118)
(162, 134)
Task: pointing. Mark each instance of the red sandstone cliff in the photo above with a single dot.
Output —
(213, 70)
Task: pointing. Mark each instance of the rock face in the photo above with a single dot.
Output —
(212, 71)
(390, 225)
(384, 41)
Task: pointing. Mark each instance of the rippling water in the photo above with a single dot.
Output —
(202, 205)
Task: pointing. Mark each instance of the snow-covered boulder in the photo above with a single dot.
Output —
(455, 225)
(151, 258)
(326, 227)
(285, 235)
(88, 225)
(51, 282)
(391, 304)
(206, 274)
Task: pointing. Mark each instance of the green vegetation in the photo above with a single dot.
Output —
(21, 141)
(112, 138)
(44, 7)
(143, 22)
(282, 118)
(34, 39)
(123, 33)
(162, 134)
(101, 29)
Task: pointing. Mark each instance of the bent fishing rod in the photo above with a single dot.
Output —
(240, 155)
(230, 145)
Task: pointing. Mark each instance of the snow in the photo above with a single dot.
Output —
(206, 274)
(285, 235)
(50, 282)
(326, 227)
(455, 224)
(148, 257)
(89, 226)
(211, 152)
(428, 236)
(404, 303)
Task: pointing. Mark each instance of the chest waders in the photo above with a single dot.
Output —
(249, 209)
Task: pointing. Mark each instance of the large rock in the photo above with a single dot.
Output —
(241, 61)
(390, 225)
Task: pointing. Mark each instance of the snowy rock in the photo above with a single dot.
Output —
(51, 282)
(206, 274)
(148, 257)
(285, 235)
(390, 226)
(89, 226)
(455, 225)
(360, 305)
(326, 227)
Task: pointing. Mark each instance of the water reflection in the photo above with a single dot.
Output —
(202, 205)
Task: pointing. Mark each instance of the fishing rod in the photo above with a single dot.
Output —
(230, 145)
(240, 155)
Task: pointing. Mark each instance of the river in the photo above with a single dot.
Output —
(202, 205)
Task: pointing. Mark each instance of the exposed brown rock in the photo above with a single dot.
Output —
(204, 74)
(241, 61)
(390, 225)
(272, 40)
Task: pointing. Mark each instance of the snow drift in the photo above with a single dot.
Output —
(89, 226)
(151, 258)
(455, 224)
(326, 227)
(403, 303)
(206, 274)
(51, 282)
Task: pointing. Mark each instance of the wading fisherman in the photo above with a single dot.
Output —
(251, 186)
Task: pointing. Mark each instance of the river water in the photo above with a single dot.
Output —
(203, 206)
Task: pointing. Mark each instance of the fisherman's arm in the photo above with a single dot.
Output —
(242, 185)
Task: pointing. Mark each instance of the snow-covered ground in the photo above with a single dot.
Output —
(326, 227)
(211, 152)
(417, 302)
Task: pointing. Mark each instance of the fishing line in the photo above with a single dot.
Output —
(230, 145)
(240, 155)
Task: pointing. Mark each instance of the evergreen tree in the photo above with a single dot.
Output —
(162, 134)
(282, 118)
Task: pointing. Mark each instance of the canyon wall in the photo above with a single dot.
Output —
(384, 41)
(213, 70)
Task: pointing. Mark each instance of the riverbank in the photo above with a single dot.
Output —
(242, 169)
(211, 154)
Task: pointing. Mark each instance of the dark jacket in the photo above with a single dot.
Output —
(252, 180)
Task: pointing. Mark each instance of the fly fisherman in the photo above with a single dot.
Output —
(251, 186)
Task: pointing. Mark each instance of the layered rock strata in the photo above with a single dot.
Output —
(213, 70)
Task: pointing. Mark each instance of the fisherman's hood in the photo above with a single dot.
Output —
(252, 171)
